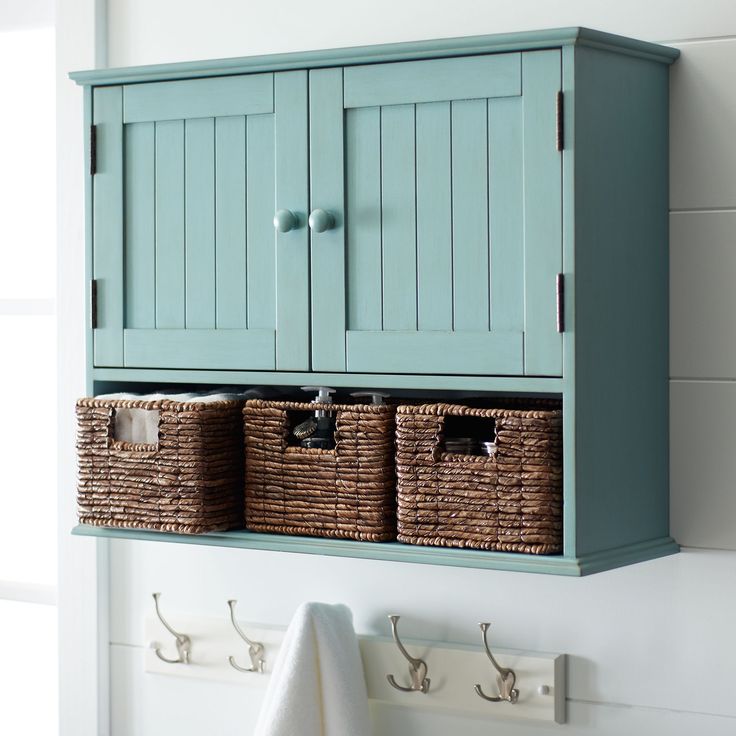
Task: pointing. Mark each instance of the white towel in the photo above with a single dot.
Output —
(317, 687)
(141, 425)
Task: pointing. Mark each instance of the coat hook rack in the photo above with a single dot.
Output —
(417, 667)
(255, 648)
(506, 676)
(183, 642)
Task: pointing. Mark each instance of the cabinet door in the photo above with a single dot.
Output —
(190, 272)
(444, 180)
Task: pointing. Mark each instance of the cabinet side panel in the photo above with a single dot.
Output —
(621, 292)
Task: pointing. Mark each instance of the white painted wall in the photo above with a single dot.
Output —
(652, 646)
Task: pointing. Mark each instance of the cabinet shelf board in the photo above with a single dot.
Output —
(503, 384)
(397, 552)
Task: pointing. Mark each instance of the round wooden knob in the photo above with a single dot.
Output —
(320, 221)
(285, 220)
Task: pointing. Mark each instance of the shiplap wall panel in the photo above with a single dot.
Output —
(686, 598)
(702, 297)
(614, 623)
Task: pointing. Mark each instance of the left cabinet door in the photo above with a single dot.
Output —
(190, 271)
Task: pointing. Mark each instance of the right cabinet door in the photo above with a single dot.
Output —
(445, 183)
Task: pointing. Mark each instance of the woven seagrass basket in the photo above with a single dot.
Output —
(347, 492)
(190, 481)
(510, 502)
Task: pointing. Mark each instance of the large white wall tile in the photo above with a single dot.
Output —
(611, 624)
(702, 122)
(703, 463)
(702, 295)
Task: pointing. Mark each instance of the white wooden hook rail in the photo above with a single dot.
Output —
(455, 669)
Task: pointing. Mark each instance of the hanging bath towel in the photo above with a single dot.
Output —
(317, 687)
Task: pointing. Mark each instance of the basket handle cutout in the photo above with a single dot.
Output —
(135, 429)
(466, 436)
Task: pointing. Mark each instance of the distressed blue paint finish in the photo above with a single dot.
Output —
(395, 351)
(621, 298)
(108, 226)
(435, 48)
(203, 348)
(476, 77)
(470, 251)
(506, 206)
(261, 204)
(398, 201)
(110, 378)
(589, 212)
(140, 226)
(434, 217)
(170, 247)
(231, 291)
(248, 95)
(199, 214)
(364, 266)
(397, 552)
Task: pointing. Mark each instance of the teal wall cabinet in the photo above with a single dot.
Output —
(485, 214)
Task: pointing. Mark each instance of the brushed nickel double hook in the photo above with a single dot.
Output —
(183, 642)
(417, 667)
(506, 676)
(255, 648)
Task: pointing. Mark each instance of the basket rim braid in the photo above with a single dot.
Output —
(347, 492)
(190, 481)
(510, 502)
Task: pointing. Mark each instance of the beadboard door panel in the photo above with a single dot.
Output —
(189, 171)
(445, 259)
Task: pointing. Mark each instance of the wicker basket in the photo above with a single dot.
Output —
(510, 502)
(190, 482)
(347, 492)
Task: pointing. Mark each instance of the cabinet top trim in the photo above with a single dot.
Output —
(427, 49)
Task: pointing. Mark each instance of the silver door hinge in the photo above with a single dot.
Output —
(93, 303)
(560, 302)
(560, 121)
(92, 150)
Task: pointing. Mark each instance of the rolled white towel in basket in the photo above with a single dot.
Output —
(317, 687)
